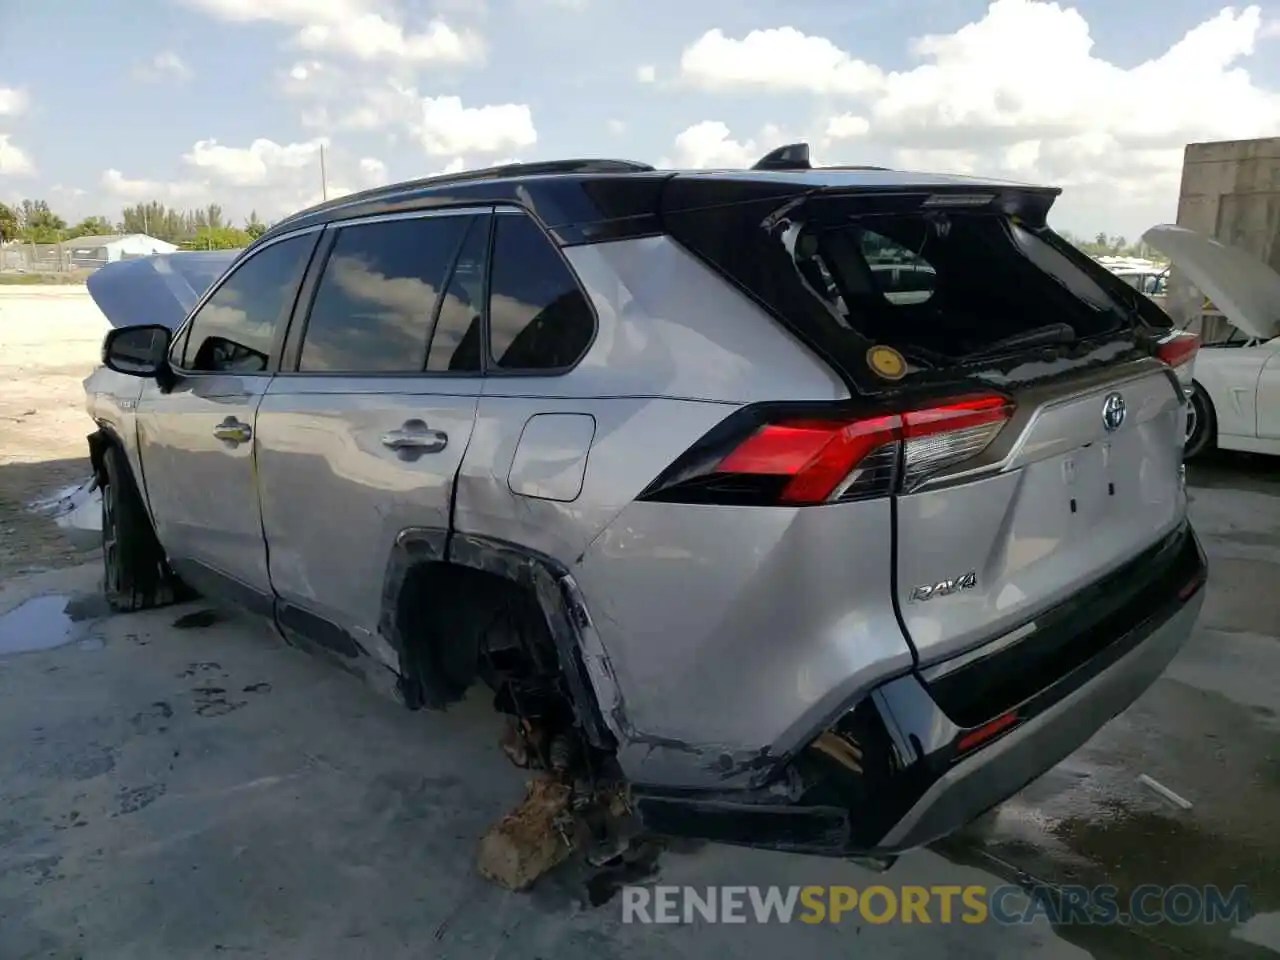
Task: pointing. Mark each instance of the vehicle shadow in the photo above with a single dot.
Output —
(30, 539)
(1236, 471)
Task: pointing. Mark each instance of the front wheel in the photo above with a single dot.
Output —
(135, 575)
(1202, 424)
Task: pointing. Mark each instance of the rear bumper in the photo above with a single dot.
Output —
(896, 772)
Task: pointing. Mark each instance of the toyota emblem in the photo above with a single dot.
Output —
(1113, 412)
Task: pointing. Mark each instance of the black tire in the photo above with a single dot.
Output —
(135, 573)
(1202, 424)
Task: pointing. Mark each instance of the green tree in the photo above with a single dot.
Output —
(39, 224)
(89, 227)
(8, 223)
(218, 238)
(253, 226)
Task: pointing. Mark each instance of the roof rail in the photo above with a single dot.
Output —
(794, 156)
(535, 168)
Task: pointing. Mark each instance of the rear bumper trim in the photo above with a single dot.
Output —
(888, 775)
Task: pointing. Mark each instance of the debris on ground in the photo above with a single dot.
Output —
(1158, 787)
(532, 839)
(567, 809)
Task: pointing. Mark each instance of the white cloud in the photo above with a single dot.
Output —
(996, 98)
(305, 70)
(782, 59)
(133, 190)
(13, 161)
(253, 165)
(355, 28)
(846, 126)
(373, 171)
(617, 127)
(447, 127)
(646, 73)
(12, 102)
(709, 144)
(165, 65)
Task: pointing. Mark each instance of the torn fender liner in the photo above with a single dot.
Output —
(595, 693)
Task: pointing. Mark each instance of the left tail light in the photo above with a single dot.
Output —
(1178, 351)
(773, 459)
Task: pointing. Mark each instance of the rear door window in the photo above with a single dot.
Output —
(232, 331)
(455, 340)
(378, 295)
(539, 318)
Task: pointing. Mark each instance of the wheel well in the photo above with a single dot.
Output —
(458, 625)
(99, 441)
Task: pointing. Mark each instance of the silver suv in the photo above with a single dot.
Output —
(810, 564)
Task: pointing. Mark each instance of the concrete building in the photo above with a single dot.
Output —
(1230, 191)
(95, 251)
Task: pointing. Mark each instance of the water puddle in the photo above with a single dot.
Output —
(76, 509)
(53, 620)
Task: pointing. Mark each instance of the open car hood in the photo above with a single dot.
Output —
(161, 288)
(1244, 288)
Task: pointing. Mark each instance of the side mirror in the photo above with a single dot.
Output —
(141, 351)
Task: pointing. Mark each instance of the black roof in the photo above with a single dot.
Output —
(585, 200)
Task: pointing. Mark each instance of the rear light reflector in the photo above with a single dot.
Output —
(988, 731)
(802, 461)
(1178, 350)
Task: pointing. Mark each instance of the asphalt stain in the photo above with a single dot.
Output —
(87, 606)
(206, 666)
(197, 619)
(262, 687)
(212, 702)
(152, 718)
(138, 798)
(92, 760)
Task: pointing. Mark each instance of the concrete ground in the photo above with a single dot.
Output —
(180, 783)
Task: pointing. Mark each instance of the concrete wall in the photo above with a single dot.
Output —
(1230, 191)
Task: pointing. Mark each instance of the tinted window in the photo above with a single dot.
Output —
(233, 330)
(538, 316)
(455, 342)
(373, 308)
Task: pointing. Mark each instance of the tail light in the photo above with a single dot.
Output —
(801, 461)
(1178, 350)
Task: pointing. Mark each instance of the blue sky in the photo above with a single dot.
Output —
(192, 101)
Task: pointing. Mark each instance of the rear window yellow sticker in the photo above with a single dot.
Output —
(887, 362)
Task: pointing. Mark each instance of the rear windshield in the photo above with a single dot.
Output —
(943, 287)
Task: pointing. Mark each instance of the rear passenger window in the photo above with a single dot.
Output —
(233, 329)
(455, 342)
(373, 308)
(539, 318)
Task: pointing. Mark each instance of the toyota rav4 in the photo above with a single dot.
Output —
(824, 507)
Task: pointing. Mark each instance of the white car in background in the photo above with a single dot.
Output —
(1235, 403)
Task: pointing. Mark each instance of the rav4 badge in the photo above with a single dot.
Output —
(945, 588)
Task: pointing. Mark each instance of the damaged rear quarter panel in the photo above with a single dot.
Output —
(734, 632)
